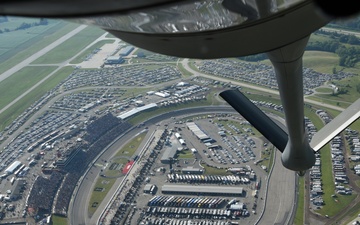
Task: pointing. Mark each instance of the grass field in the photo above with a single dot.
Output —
(19, 107)
(23, 51)
(299, 215)
(71, 46)
(323, 62)
(214, 171)
(185, 154)
(15, 38)
(332, 205)
(324, 90)
(59, 220)
(343, 100)
(183, 71)
(106, 183)
(18, 83)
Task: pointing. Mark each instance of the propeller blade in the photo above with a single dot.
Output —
(266, 126)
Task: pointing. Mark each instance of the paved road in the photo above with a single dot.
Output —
(280, 200)
(185, 63)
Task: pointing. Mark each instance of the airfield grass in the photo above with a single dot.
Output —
(13, 40)
(17, 55)
(83, 55)
(20, 106)
(107, 183)
(58, 220)
(13, 86)
(71, 46)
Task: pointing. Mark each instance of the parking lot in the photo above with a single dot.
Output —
(236, 196)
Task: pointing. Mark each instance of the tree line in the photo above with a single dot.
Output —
(24, 25)
(346, 46)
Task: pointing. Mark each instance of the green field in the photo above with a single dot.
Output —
(323, 62)
(185, 154)
(214, 171)
(20, 106)
(21, 81)
(71, 46)
(299, 216)
(59, 220)
(23, 51)
(15, 38)
(324, 90)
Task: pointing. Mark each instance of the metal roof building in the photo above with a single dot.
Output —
(13, 167)
(114, 60)
(203, 190)
(197, 131)
(136, 110)
(126, 51)
(192, 170)
(168, 153)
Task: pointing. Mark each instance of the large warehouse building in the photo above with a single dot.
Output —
(202, 190)
(11, 169)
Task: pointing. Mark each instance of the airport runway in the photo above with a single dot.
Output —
(40, 53)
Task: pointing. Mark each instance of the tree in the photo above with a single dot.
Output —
(358, 88)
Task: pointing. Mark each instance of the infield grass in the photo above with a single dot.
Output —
(105, 183)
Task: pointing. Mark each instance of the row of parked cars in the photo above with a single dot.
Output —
(216, 179)
(190, 202)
